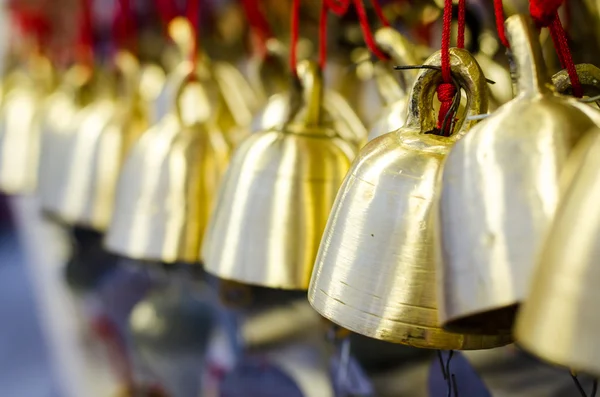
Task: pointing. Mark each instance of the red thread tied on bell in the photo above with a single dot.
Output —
(545, 14)
(259, 25)
(446, 91)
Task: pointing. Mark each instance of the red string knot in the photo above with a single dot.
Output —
(445, 93)
(544, 11)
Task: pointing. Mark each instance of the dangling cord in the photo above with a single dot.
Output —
(193, 15)
(384, 21)
(294, 33)
(124, 25)
(366, 29)
(499, 12)
(85, 50)
(446, 91)
(108, 332)
(167, 10)
(258, 24)
(337, 7)
(448, 377)
(545, 14)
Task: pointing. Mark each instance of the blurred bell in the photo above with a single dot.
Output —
(500, 190)
(394, 94)
(276, 196)
(375, 271)
(559, 321)
(105, 131)
(165, 192)
(20, 127)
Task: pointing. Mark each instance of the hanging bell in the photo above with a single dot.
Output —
(589, 78)
(276, 196)
(106, 130)
(394, 94)
(375, 271)
(20, 127)
(165, 192)
(559, 320)
(500, 190)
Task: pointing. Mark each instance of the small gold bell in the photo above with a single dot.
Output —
(559, 321)
(375, 271)
(20, 127)
(106, 130)
(166, 189)
(394, 94)
(276, 196)
(500, 190)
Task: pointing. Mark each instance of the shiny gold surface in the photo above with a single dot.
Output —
(375, 271)
(589, 77)
(500, 191)
(395, 95)
(165, 192)
(275, 198)
(104, 132)
(559, 321)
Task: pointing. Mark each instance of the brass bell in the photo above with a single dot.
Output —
(20, 127)
(375, 271)
(276, 196)
(559, 320)
(166, 189)
(106, 130)
(395, 96)
(589, 78)
(500, 190)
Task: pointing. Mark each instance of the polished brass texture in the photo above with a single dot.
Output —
(394, 93)
(375, 271)
(559, 320)
(106, 130)
(276, 196)
(165, 192)
(21, 113)
(500, 191)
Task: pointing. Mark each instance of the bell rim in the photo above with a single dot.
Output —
(459, 323)
(469, 341)
(251, 282)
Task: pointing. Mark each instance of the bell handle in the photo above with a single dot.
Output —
(589, 77)
(129, 68)
(468, 75)
(527, 56)
(192, 105)
(402, 52)
(311, 80)
(180, 30)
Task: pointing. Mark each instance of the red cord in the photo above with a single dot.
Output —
(545, 14)
(193, 15)
(124, 25)
(499, 12)
(85, 52)
(258, 23)
(366, 29)
(109, 334)
(294, 25)
(384, 21)
(462, 23)
(446, 90)
(339, 8)
(167, 10)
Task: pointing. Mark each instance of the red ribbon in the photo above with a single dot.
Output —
(259, 24)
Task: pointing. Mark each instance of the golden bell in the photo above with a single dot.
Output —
(276, 196)
(20, 127)
(395, 96)
(500, 191)
(375, 271)
(166, 189)
(106, 130)
(559, 320)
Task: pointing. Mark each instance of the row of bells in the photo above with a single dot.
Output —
(463, 242)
